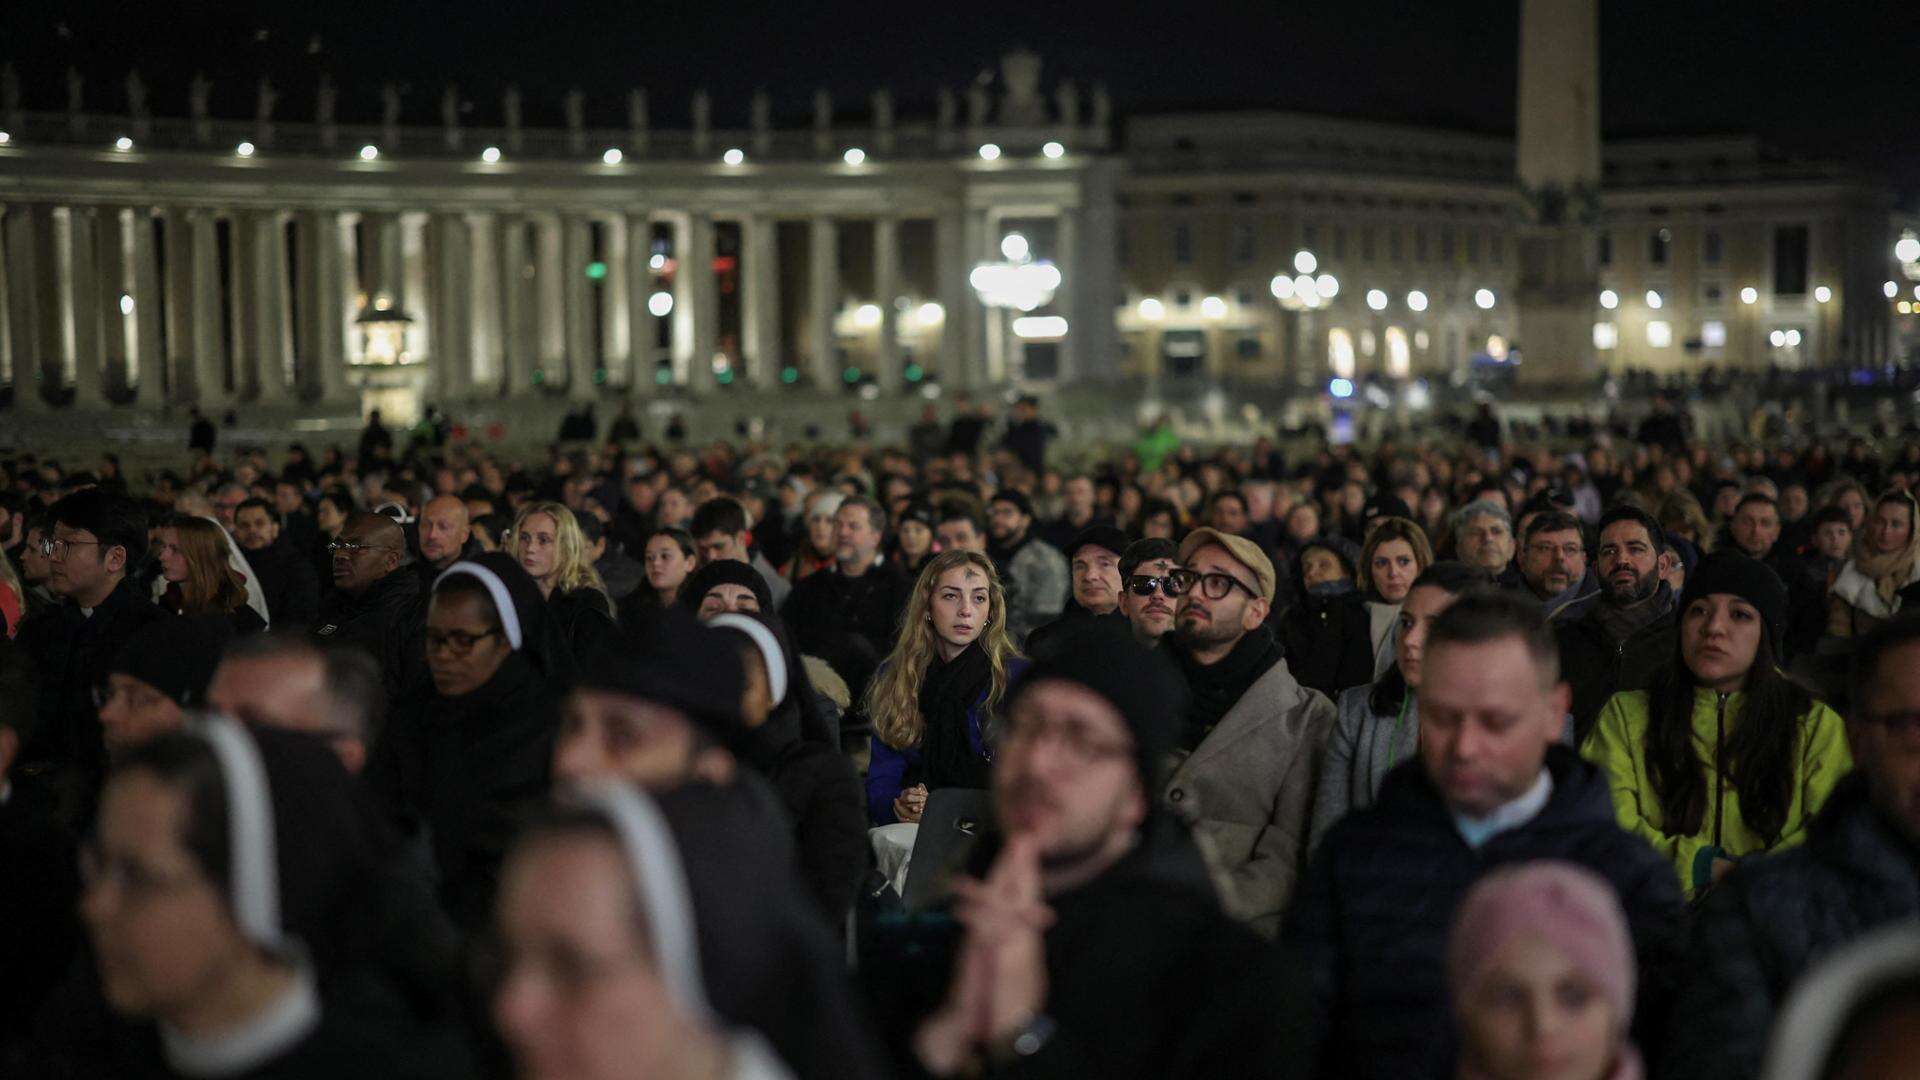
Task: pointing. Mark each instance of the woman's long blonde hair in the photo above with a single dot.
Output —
(571, 567)
(213, 586)
(893, 698)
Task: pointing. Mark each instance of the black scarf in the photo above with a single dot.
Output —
(1215, 688)
(948, 691)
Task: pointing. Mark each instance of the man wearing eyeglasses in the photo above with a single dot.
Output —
(1252, 733)
(1773, 917)
(377, 604)
(97, 538)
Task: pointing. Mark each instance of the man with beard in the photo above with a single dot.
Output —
(1252, 734)
(1631, 631)
(1032, 571)
(1553, 563)
(1147, 593)
(1091, 944)
(286, 576)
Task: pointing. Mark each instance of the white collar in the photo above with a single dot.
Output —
(257, 1040)
(1477, 831)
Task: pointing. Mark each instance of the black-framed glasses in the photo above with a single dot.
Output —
(1145, 584)
(1213, 586)
(54, 548)
(457, 642)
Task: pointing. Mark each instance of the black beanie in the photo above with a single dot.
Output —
(1100, 536)
(1749, 579)
(724, 572)
(674, 659)
(176, 655)
(1139, 682)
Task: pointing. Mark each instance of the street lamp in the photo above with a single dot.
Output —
(1018, 283)
(383, 335)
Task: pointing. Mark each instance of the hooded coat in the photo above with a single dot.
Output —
(466, 766)
(1328, 638)
(817, 785)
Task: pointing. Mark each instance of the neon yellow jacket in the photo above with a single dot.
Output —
(1618, 745)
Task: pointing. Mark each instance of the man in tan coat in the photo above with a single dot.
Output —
(1252, 735)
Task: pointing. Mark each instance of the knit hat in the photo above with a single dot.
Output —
(1100, 536)
(1385, 504)
(724, 572)
(1242, 549)
(1744, 577)
(1138, 682)
(1015, 496)
(1573, 908)
(176, 655)
(673, 659)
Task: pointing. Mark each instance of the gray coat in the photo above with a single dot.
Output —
(1246, 792)
(1364, 746)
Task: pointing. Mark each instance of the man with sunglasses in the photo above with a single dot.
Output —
(1148, 595)
(377, 604)
(1252, 734)
(1773, 917)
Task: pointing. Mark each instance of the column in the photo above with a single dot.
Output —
(704, 292)
(616, 320)
(335, 379)
(422, 341)
(273, 348)
(489, 338)
(1093, 279)
(981, 342)
(951, 265)
(83, 308)
(519, 341)
(209, 342)
(20, 291)
(552, 340)
(156, 379)
(577, 241)
(761, 348)
(248, 308)
(643, 328)
(322, 366)
(823, 300)
(53, 330)
(451, 293)
(886, 288)
(110, 284)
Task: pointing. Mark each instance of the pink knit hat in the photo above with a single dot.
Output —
(1571, 906)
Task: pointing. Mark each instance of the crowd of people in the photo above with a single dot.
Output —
(968, 756)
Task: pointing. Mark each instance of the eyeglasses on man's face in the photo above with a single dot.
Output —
(1212, 585)
(1145, 584)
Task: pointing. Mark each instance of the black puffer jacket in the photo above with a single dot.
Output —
(1774, 918)
(1597, 669)
(1370, 921)
(387, 619)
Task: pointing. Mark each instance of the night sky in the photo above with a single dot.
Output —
(1834, 79)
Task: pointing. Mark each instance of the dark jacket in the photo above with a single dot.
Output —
(287, 578)
(1329, 643)
(849, 622)
(71, 653)
(584, 617)
(388, 620)
(1370, 921)
(1773, 918)
(1597, 669)
(822, 793)
(39, 898)
(1075, 615)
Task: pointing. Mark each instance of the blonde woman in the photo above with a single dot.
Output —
(547, 542)
(1878, 582)
(933, 699)
(200, 579)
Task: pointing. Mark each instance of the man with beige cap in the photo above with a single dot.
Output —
(1252, 735)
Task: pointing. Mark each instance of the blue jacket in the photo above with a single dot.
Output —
(887, 768)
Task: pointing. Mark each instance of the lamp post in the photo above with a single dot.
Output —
(1304, 293)
(390, 377)
(1018, 283)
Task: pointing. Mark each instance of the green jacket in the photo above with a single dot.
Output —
(1618, 745)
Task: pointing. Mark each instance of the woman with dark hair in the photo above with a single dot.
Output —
(668, 555)
(789, 740)
(227, 897)
(1325, 631)
(468, 753)
(913, 535)
(1379, 724)
(194, 561)
(1723, 756)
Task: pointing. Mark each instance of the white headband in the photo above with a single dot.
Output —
(769, 650)
(255, 886)
(502, 602)
(660, 881)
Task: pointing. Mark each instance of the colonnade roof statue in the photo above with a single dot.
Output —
(1010, 107)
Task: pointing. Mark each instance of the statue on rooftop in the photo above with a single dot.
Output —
(510, 113)
(1021, 105)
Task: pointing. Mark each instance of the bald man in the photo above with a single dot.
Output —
(446, 536)
(377, 604)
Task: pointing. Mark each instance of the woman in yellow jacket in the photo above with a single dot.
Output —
(1724, 756)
